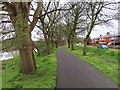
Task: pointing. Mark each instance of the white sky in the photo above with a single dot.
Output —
(95, 33)
(97, 29)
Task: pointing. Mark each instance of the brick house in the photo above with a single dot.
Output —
(106, 39)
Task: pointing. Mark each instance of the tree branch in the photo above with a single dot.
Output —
(35, 16)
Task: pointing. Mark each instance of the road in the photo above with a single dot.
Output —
(75, 73)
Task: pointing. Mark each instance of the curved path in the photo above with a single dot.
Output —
(75, 73)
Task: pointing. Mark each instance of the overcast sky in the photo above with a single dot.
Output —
(104, 29)
(95, 33)
(101, 29)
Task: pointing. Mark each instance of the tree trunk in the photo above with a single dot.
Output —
(27, 58)
(68, 42)
(24, 44)
(38, 50)
(85, 47)
(52, 42)
(47, 48)
(47, 44)
(72, 42)
(58, 42)
(25, 47)
(19, 15)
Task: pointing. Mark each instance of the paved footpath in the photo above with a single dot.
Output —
(75, 73)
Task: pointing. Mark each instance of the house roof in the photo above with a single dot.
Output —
(109, 36)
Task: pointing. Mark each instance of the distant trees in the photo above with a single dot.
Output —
(93, 11)
(47, 21)
(73, 21)
(95, 15)
(58, 34)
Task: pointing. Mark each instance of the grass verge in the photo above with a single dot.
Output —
(44, 77)
(104, 60)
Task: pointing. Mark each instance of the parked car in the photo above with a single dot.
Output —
(113, 43)
(102, 46)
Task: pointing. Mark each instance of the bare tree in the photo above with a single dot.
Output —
(47, 22)
(73, 20)
(95, 16)
(19, 16)
(19, 13)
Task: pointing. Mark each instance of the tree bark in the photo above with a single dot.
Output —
(52, 42)
(68, 40)
(25, 47)
(47, 44)
(19, 15)
(72, 42)
(38, 50)
(27, 57)
(47, 48)
(85, 47)
(59, 42)
(56, 44)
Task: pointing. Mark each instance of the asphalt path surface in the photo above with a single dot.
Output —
(75, 73)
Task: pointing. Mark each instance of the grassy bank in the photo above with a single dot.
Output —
(44, 77)
(104, 60)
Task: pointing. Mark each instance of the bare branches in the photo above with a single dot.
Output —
(73, 15)
(56, 9)
(35, 17)
(11, 44)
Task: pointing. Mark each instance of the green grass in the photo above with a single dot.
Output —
(44, 77)
(104, 60)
